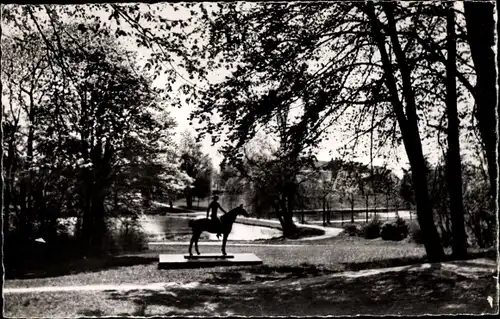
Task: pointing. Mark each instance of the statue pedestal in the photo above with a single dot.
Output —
(208, 257)
(178, 261)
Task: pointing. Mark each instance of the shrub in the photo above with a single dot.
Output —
(126, 235)
(352, 229)
(372, 229)
(394, 230)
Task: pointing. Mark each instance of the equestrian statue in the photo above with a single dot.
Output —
(215, 225)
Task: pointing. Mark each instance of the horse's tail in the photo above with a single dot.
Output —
(190, 223)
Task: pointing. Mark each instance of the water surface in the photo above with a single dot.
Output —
(159, 228)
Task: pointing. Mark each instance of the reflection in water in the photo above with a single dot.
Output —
(249, 232)
(159, 228)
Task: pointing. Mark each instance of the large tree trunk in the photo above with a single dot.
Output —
(8, 186)
(480, 31)
(454, 168)
(408, 124)
(285, 216)
(4, 219)
(189, 199)
(99, 222)
(292, 228)
(87, 220)
(24, 218)
(102, 164)
(324, 210)
(29, 155)
(366, 205)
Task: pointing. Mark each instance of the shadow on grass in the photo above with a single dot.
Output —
(265, 273)
(426, 291)
(62, 268)
(405, 261)
(233, 274)
(91, 313)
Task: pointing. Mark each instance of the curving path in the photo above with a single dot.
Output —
(329, 232)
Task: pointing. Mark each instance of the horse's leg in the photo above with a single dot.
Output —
(191, 244)
(224, 240)
(196, 242)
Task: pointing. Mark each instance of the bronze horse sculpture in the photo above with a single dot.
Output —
(226, 224)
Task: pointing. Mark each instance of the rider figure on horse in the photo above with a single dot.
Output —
(214, 205)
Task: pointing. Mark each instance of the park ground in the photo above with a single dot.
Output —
(338, 276)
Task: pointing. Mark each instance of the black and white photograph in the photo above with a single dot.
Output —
(249, 159)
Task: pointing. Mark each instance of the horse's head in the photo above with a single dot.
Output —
(242, 211)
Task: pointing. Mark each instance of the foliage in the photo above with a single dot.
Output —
(371, 230)
(196, 165)
(127, 235)
(296, 69)
(394, 230)
(480, 220)
(274, 179)
(440, 202)
(352, 229)
(88, 135)
(235, 189)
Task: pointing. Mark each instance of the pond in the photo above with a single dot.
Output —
(173, 228)
(158, 228)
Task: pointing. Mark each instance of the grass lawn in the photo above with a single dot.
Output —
(332, 255)
(294, 280)
(257, 291)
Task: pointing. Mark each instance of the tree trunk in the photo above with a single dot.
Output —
(6, 207)
(366, 203)
(5, 212)
(286, 217)
(101, 187)
(189, 200)
(454, 175)
(24, 218)
(352, 208)
(480, 32)
(324, 211)
(87, 189)
(387, 203)
(99, 222)
(408, 123)
(87, 220)
(328, 213)
(31, 138)
(279, 215)
(8, 186)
